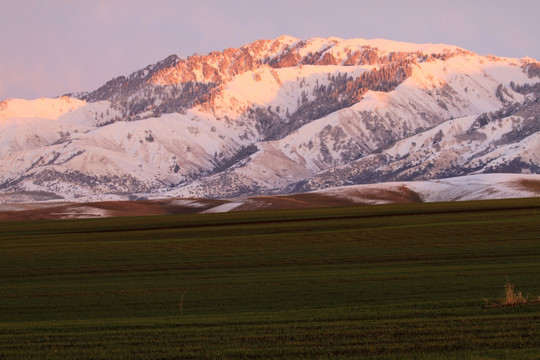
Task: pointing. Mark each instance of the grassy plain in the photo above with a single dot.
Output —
(395, 282)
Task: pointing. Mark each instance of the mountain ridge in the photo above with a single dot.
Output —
(278, 116)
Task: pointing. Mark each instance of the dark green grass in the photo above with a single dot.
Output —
(397, 282)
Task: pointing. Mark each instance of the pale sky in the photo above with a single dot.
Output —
(52, 47)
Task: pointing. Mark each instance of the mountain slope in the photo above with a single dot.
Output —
(278, 116)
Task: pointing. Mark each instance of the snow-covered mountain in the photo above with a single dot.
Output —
(278, 116)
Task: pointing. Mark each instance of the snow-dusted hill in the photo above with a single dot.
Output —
(278, 116)
(470, 187)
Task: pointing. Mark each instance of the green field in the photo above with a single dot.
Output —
(389, 282)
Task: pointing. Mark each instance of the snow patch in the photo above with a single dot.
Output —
(188, 203)
(223, 208)
(81, 212)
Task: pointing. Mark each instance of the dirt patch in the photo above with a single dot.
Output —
(297, 201)
(528, 185)
(7, 217)
(108, 209)
(350, 197)
(396, 195)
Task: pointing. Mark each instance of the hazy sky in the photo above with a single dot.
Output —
(51, 47)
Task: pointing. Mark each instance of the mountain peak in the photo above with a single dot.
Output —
(284, 51)
(287, 39)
